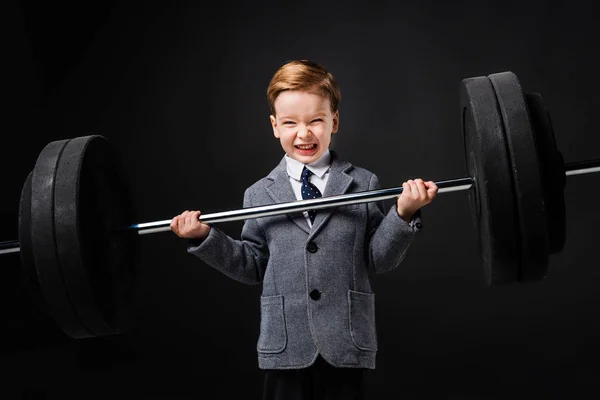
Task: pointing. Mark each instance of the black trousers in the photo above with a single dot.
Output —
(320, 381)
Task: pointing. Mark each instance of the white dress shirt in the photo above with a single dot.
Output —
(320, 170)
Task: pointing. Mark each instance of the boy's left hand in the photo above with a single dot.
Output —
(415, 194)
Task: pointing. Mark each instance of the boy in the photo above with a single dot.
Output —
(317, 328)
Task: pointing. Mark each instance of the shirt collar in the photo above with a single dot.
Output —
(318, 167)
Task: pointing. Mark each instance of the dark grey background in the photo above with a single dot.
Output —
(180, 91)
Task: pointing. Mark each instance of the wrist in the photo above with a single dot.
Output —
(199, 235)
(406, 215)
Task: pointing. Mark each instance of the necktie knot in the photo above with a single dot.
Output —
(306, 173)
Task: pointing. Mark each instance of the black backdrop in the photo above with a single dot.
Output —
(180, 91)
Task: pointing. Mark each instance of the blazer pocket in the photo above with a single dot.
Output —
(273, 334)
(362, 320)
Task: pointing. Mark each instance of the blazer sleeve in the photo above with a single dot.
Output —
(243, 260)
(388, 236)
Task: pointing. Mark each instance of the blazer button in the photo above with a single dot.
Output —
(419, 225)
(315, 294)
(312, 247)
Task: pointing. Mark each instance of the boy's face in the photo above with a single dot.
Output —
(304, 124)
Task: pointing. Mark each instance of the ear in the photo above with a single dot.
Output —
(336, 122)
(274, 125)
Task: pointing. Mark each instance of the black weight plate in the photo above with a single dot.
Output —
(492, 197)
(552, 169)
(97, 257)
(28, 272)
(43, 242)
(527, 181)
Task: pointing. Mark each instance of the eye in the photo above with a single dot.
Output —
(288, 122)
(317, 120)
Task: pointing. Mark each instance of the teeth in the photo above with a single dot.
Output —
(306, 146)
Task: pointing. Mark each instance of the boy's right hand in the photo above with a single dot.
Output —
(188, 225)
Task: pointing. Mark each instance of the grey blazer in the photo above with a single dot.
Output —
(316, 293)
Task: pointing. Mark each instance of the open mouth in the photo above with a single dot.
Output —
(306, 146)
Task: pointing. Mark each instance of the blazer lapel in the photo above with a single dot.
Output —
(281, 192)
(338, 183)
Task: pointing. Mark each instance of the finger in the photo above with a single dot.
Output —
(421, 188)
(194, 218)
(173, 224)
(189, 220)
(405, 189)
(181, 224)
(432, 188)
(414, 190)
(182, 217)
(430, 185)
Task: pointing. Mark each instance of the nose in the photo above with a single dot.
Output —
(303, 132)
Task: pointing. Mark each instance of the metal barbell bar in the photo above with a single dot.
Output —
(445, 186)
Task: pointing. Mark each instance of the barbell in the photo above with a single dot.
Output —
(76, 235)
